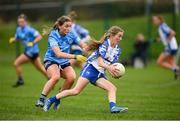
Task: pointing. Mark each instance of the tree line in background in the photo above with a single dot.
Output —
(39, 10)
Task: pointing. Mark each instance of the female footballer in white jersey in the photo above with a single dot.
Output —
(167, 35)
(106, 52)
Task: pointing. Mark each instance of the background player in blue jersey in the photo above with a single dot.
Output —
(106, 52)
(84, 36)
(30, 38)
(57, 57)
(167, 35)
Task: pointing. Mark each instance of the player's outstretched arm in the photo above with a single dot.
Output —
(61, 54)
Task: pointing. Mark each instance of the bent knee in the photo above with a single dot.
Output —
(76, 91)
(55, 78)
(71, 79)
(112, 88)
(15, 63)
(158, 62)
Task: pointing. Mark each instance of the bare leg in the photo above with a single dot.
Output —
(175, 67)
(109, 87)
(80, 85)
(18, 62)
(172, 61)
(163, 61)
(53, 72)
(69, 75)
(37, 63)
(111, 91)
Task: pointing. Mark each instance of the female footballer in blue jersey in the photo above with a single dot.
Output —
(30, 38)
(167, 35)
(84, 36)
(57, 57)
(106, 52)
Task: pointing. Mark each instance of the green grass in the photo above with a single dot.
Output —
(149, 93)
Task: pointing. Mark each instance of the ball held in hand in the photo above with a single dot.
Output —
(120, 70)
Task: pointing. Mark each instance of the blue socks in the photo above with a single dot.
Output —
(111, 104)
(53, 99)
(174, 69)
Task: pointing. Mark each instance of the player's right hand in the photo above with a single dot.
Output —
(30, 44)
(11, 40)
(112, 70)
(81, 58)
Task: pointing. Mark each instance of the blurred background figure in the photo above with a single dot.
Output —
(30, 38)
(139, 57)
(167, 35)
(84, 36)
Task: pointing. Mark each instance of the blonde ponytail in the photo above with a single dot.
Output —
(94, 45)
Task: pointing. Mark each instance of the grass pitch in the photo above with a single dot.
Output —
(149, 93)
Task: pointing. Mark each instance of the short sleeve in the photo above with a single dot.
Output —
(34, 32)
(103, 49)
(52, 42)
(166, 29)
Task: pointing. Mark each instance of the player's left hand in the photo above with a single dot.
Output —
(30, 44)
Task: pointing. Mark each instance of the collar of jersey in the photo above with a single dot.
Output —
(109, 42)
(57, 33)
(24, 27)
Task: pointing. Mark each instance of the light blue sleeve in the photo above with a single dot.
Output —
(52, 42)
(103, 49)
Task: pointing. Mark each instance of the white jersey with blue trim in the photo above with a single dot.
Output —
(27, 34)
(109, 54)
(82, 33)
(164, 32)
(63, 43)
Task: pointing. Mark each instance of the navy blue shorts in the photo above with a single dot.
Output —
(32, 56)
(91, 73)
(48, 63)
(170, 52)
